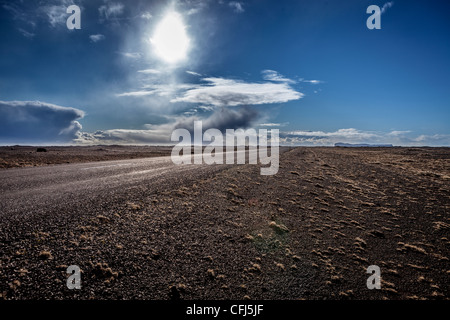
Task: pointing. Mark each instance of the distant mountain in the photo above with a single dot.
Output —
(341, 144)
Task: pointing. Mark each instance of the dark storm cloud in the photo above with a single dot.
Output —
(222, 119)
(34, 121)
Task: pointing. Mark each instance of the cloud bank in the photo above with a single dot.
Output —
(352, 135)
(222, 119)
(221, 92)
(38, 122)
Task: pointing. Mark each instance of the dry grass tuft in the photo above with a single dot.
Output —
(278, 228)
(405, 247)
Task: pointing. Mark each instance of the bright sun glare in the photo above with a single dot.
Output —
(170, 39)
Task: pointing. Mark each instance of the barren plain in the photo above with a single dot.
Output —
(225, 231)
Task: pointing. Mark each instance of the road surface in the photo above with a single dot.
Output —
(27, 191)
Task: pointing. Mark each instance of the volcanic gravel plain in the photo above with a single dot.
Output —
(140, 227)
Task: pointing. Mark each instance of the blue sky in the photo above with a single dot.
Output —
(312, 69)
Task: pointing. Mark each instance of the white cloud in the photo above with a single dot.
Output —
(273, 124)
(312, 81)
(195, 6)
(56, 14)
(110, 10)
(30, 12)
(215, 91)
(272, 75)
(157, 89)
(146, 15)
(150, 71)
(122, 136)
(237, 6)
(221, 92)
(351, 135)
(386, 6)
(398, 133)
(194, 73)
(132, 55)
(54, 11)
(140, 93)
(432, 140)
(341, 133)
(193, 11)
(96, 37)
(205, 108)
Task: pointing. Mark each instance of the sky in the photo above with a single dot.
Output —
(137, 70)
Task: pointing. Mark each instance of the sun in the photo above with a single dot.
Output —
(170, 40)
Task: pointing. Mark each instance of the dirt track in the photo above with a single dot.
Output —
(27, 156)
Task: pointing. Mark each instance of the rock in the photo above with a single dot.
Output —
(211, 273)
(174, 294)
(45, 255)
(376, 233)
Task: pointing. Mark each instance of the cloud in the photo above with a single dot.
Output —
(226, 118)
(96, 37)
(56, 13)
(140, 93)
(212, 91)
(16, 11)
(194, 6)
(194, 73)
(221, 92)
(157, 89)
(386, 6)
(34, 121)
(352, 135)
(30, 14)
(311, 81)
(193, 11)
(237, 6)
(26, 34)
(432, 140)
(132, 55)
(219, 102)
(272, 75)
(399, 133)
(150, 71)
(146, 15)
(221, 119)
(272, 124)
(110, 10)
(121, 136)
